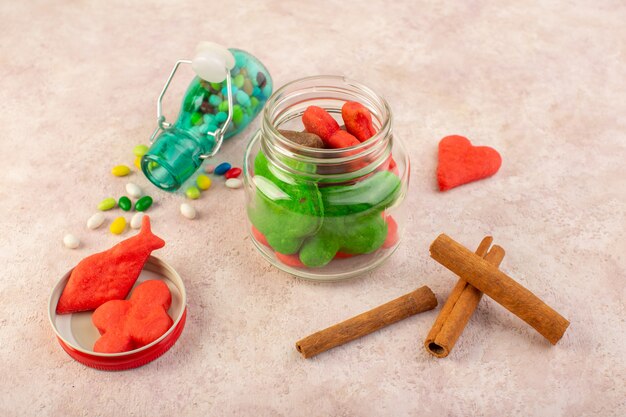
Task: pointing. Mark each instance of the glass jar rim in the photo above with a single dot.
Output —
(324, 154)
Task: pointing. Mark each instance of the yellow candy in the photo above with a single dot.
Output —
(138, 162)
(120, 170)
(203, 182)
(118, 226)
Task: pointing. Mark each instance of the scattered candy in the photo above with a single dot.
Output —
(70, 241)
(203, 182)
(209, 169)
(233, 183)
(106, 204)
(135, 221)
(108, 275)
(143, 203)
(140, 150)
(134, 190)
(124, 203)
(222, 168)
(118, 226)
(137, 162)
(192, 193)
(120, 170)
(188, 211)
(95, 221)
(358, 120)
(303, 138)
(233, 173)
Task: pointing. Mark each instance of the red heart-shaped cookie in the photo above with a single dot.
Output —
(460, 162)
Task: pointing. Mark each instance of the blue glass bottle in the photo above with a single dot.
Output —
(180, 148)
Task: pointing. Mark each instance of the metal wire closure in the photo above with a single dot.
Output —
(218, 134)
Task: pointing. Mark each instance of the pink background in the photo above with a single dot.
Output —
(542, 82)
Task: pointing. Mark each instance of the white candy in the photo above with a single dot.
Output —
(134, 190)
(135, 222)
(233, 183)
(95, 221)
(70, 241)
(188, 211)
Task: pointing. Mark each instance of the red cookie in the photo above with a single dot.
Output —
(319, 121)
(130, 324)
(358, 120)
(460, 162)
(392, 232)
(341, 139)
(108, 275)
(260, 237)
(289, 260)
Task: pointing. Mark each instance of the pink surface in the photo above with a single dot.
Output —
(543, 83)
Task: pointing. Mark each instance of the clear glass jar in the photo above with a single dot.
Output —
(325, 214)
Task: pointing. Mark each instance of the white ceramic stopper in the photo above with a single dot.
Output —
(212, 61)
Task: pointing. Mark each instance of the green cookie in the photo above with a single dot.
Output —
(378, 191)
(354, 234)
(285, 210)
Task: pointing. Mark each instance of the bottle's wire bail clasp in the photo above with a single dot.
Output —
(212, 63)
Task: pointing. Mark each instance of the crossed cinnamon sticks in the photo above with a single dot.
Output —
(478, 274)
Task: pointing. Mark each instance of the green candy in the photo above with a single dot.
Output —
(124, 203)
(223, 106)
(216, 86)
(192, 193)
(143, 203)
(237, 114)
(238, 81)
(196, 119)
(106, 204)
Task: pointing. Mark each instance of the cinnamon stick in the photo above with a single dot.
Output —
(499, 286)
(422, 299)
(459, 307)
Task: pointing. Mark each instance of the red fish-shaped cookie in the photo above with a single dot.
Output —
(108, 275)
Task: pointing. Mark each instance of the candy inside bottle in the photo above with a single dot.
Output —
(179, 150)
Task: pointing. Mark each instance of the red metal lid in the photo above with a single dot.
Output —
(76, 333)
